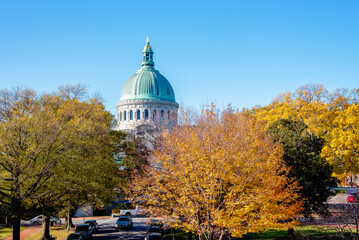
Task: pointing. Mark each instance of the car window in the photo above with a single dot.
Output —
(123, 219)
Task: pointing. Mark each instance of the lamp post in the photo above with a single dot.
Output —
(68, 222)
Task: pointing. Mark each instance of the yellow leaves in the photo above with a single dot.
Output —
(333, 117)
(221, 171)
(343, 147)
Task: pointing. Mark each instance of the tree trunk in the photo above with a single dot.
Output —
(189, 236)
(72, 225)
(221, 234)
(7, 222)
(291, 233)
(16, 228)
(15, 210)
(46, 228)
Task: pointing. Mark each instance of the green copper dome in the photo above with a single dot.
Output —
(147, 83)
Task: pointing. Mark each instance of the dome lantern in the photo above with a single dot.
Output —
(147, 55)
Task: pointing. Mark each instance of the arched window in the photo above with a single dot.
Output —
(146, 114)
(154, 115)
(131, 115)
(138, 114)
(168, 115)
(120, 116)
(162, 115)
(124, 116)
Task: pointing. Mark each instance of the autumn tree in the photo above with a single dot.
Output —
(86, 172)
(21, 169)
(220, 173)
(302, 156)
(132, 162)
(52, 145)
(343, 148)
(328, 115)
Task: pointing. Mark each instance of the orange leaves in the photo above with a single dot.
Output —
(221, 171)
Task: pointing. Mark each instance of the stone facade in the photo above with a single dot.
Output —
(144, 115)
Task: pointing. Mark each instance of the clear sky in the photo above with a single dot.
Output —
(239, 52)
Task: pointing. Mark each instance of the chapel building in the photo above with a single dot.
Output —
(147, 99)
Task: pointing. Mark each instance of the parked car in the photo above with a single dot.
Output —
(55, 221)
(93, 225)
(353, 197)
(38, 220)
(153, 236)
(84, 230)
(74, 236)
(130, 212)
(155, 229)
(154, 232)
(124, 222)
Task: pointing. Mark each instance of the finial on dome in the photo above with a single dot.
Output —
(147, 55)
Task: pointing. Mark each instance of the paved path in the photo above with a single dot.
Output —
(27, 232)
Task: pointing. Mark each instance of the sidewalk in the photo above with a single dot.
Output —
(27, 232)
(34, 229)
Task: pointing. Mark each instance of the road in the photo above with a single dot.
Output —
(107, 229)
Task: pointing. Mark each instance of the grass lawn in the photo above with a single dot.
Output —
(7, 232)
(306, 232)
(301, 232)
(59, 232)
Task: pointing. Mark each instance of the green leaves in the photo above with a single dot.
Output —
(302, 156)
(55, 148)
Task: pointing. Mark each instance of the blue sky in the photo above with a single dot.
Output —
(239, 52)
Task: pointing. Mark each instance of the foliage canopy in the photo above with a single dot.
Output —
(54, 147)
(221, 173)
(302, 156)
(331, 116)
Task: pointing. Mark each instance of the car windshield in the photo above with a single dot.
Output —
(89, 222)
(123, 219)
(82, 228)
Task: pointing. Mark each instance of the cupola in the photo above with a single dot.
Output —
(147, 83)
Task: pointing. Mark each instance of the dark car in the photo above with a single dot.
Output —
(93, 225)
(155, 229)
(154, 232)
(84, 230)
(153, 236)
(74, 236)
(124, 222)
